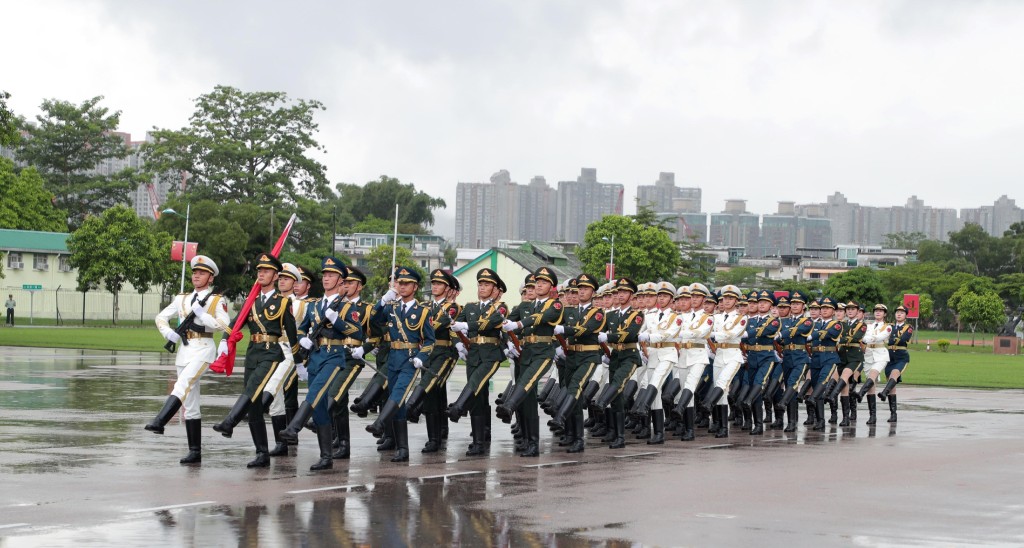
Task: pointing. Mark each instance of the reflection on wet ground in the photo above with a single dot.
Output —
(76, 467)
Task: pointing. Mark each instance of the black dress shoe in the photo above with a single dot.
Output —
(262, 460)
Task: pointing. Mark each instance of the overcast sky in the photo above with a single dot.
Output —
(760, 100)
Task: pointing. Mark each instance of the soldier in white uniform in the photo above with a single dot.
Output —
(194, 354)
(659, 333)
(729, 328)
(273, 391)
(693, 336)
(876, 357)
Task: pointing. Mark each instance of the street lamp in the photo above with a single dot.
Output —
(612, 261)
(184, 245)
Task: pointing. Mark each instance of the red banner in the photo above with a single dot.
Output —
(609, 271)
(913, 304)
(190, 251)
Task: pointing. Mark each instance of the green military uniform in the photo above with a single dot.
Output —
(623, 330)
(851, 356)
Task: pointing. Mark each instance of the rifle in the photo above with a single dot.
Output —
(184, 326)
(607, 351)
(563, 343)
(464, 339)
(515, 341)
(314, 334)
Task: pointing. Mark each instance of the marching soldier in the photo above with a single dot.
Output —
(824, 340)
(326, 321)
(899, 358)
(481, 323)
(663, 356)
(273, 391)
(516, 354)
(876, 357)
(693, 356)
(622, 336)
(269, 320)
(539, 345)
(761, 355)
(209, 314)
(358, 316)
(851, 358)
(412, 341)
(729, 329)
(793, 335)
(428, 394)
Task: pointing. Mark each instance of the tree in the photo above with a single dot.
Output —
(8, 122)
(113, 249)
(378, 261)
(245, 147)
(985, 253)
(377, 199)
(860, 284)
(903, 240)
(24, 202)
(1011, 289)
(983, 310)
(742, 276)
(67, 144)
(643, 253)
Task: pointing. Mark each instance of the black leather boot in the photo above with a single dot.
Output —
(227, 426)
(723, 418)
(872, 418)
(801, 393)
(810, 413)
(684, 401)
(889, 385)
(689, 420)
(853, 410)
(578, 444)
(458, 409)
(819, 416)
(619, 420)
(258, 429)
(267, 398)
(414, 404)
(564, 412)
(531, 437)
(401, 428)
(610, 433)
(341, 430)
(291, 432)
(363, 402)
(792, 411)
(508, 407)
(433, 444)
(194, 431)
(479, 428)
(658, 431)
(389, 410)
(171, 406)
(387, 441)
(778, 423)
(711, 400)
(787, 396)
(644, 401)
(768, 412)
(833, 416)
(545, 392)
(758, 427)
(864, 389)
(892, 408)
(668, 395)
(644, 431)
(838, 390)
(504, 394)
(748, 418)
(844, 402)
(280, 447)
(324, 437)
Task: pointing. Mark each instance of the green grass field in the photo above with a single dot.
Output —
(965, 366)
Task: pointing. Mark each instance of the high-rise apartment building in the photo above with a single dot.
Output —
(584, 201)
(996, 218)
(736, 227)
(486, 213)
(665, 197)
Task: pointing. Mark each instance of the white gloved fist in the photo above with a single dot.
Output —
(331, 315)
(559, 353)
(644, 337)
(358, 352)
(374, 351)
(462, 355)
(198, 309)
(388, 297)
(417, 363)
(508, 355)
(303, 373)
(508, 325)
(222, 348)
(460, 347)
(512, 350)
(559, 330)
(306, 342)
(460, 326)
(173, 337)
(602, 337)
(605, 360)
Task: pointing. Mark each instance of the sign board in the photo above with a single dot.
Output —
(190, 252)
(913, 304)
(31, 287)
(609, 271)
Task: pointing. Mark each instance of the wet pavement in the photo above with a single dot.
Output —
(76, 467)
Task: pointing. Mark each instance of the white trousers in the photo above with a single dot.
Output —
(277, 383)
(191, 362)
(727, 363)
(657, 372)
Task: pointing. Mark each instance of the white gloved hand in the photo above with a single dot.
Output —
(331, 315)
(417, 363)
(206, 319)
(374, 351)
(388, 297)
(508, 354)
(644, 337)
(222, 348)
(198, 309)
(303, 373)
(512, 350)
(460, 326)
(173, 337)
(460, 347)
(306, 342)
(462, 355)
(605, 360)
(508, 325)
(559, 330)
(602, 337)
(559, 353)
(358, 352)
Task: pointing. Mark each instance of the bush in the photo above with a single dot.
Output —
(943, 345)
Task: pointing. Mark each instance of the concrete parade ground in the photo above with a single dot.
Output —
(77, 468)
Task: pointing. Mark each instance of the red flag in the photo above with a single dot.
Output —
(190, 250)
(913, 304)
(225, 363)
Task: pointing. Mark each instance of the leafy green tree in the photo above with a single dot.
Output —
(643, 253)
(113, 249)
(377, 199)
(24, 202)
(935, 251)
(1011, 289)
(246, 147)
(378, 262)
(985, 253)
(984, 310)
(67, 144)
(860, 284)
(8, 122)
(742, 276)
(373, 225)
(903, 240)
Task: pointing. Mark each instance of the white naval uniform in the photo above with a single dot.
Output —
(876, 358)
(694, 333)
(663, 331)
(191, 360)
(640, 375)
(729, 329)
(285, 372)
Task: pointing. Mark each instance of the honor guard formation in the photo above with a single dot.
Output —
(600, 360)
